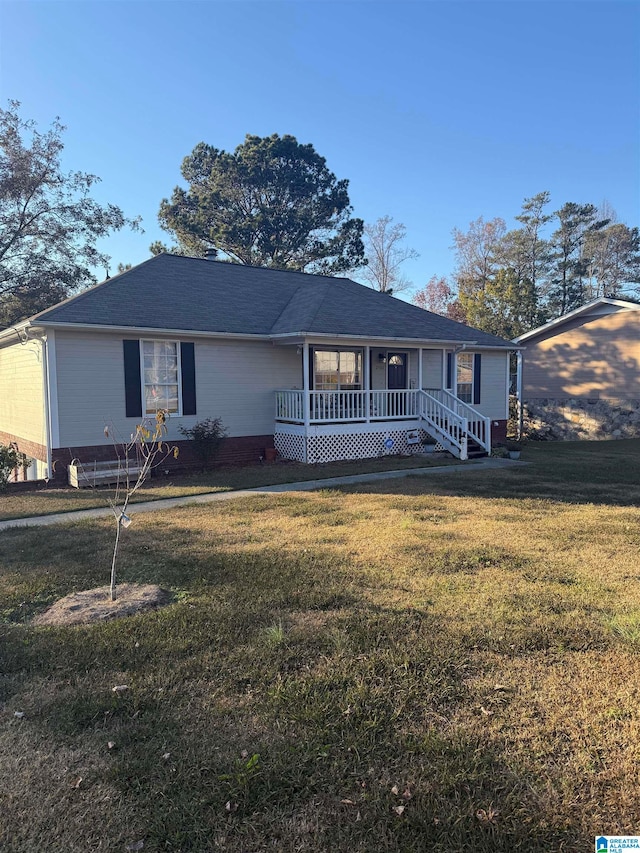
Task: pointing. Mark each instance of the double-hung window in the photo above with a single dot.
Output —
(337, 370)
(160, 376)
(464, 375)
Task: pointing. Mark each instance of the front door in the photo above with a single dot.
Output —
(396, 371)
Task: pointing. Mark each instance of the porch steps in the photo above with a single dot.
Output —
(474, 450)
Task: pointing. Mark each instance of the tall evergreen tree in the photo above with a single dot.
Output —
(535, 249)
(568, 267)
(612, 259)
(272, 202)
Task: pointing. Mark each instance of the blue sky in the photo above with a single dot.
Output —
(436, 112)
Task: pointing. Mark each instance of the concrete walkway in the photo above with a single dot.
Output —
(211, 497)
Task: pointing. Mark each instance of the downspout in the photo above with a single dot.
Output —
(46, 389)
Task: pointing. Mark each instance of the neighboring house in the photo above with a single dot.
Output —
(322, 367)
(581, 372)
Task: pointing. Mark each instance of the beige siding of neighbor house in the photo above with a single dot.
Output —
(21, 392)
(235, 380)
(592, 358)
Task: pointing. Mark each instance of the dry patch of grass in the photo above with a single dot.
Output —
(95, 605)
(424, 664)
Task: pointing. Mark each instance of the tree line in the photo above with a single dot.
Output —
(274, 202)
(508, 282)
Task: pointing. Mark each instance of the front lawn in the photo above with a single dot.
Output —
(224, 478)
(443, 663)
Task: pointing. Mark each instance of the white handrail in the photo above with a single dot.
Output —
(479, 426)
(445, 423)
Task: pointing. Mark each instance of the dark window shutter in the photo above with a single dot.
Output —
(312, 359)
(477, 370)
(188, 370)
(132, 379)
(449, 370)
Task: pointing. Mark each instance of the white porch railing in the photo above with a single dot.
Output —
(446, 418)
(346, 406)
(478, 426)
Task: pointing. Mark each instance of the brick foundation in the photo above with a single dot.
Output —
(238, 450)
(29, 448)
(498, 432)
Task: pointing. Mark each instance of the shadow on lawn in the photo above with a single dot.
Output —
(616, 485)
(335, 727)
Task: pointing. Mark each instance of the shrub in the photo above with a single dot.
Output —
(10, 458)
(206, 436)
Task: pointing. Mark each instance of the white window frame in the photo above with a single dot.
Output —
(469, 355)
(145, 413)
(339, 350)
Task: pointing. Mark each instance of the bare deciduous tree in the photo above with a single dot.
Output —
(439, 297)
(385, 254)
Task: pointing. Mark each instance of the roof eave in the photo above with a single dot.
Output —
(577, 312)
(151, 330)
(508, 345)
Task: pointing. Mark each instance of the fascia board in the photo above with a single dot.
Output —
(149, 330)
(577, 312)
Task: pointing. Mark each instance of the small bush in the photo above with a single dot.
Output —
(10, 458)
(500, 451)
(206, 436)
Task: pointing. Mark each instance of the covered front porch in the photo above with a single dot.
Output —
(325, 426)
(341, 412)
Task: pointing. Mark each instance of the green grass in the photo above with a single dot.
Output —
(437, 663)
(224, 478)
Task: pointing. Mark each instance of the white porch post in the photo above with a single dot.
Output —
(305, 384)
(454, 373)
(367, 383)
(519, 392)
(419, 368)
(306, 398)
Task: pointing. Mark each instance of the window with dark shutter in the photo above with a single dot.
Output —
(449, 377)
(477, 371)
(188, 371)
(132, 379)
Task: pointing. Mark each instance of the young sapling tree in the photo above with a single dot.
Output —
(145, 450)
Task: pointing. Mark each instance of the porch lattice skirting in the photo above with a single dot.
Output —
(332, 443)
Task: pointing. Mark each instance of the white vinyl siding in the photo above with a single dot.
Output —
(494, 391)
(432, 368)
(21, 392)
(235, 380)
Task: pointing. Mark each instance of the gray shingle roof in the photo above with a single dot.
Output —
(191, 294)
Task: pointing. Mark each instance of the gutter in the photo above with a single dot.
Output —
(332, 336)
(149, 330)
